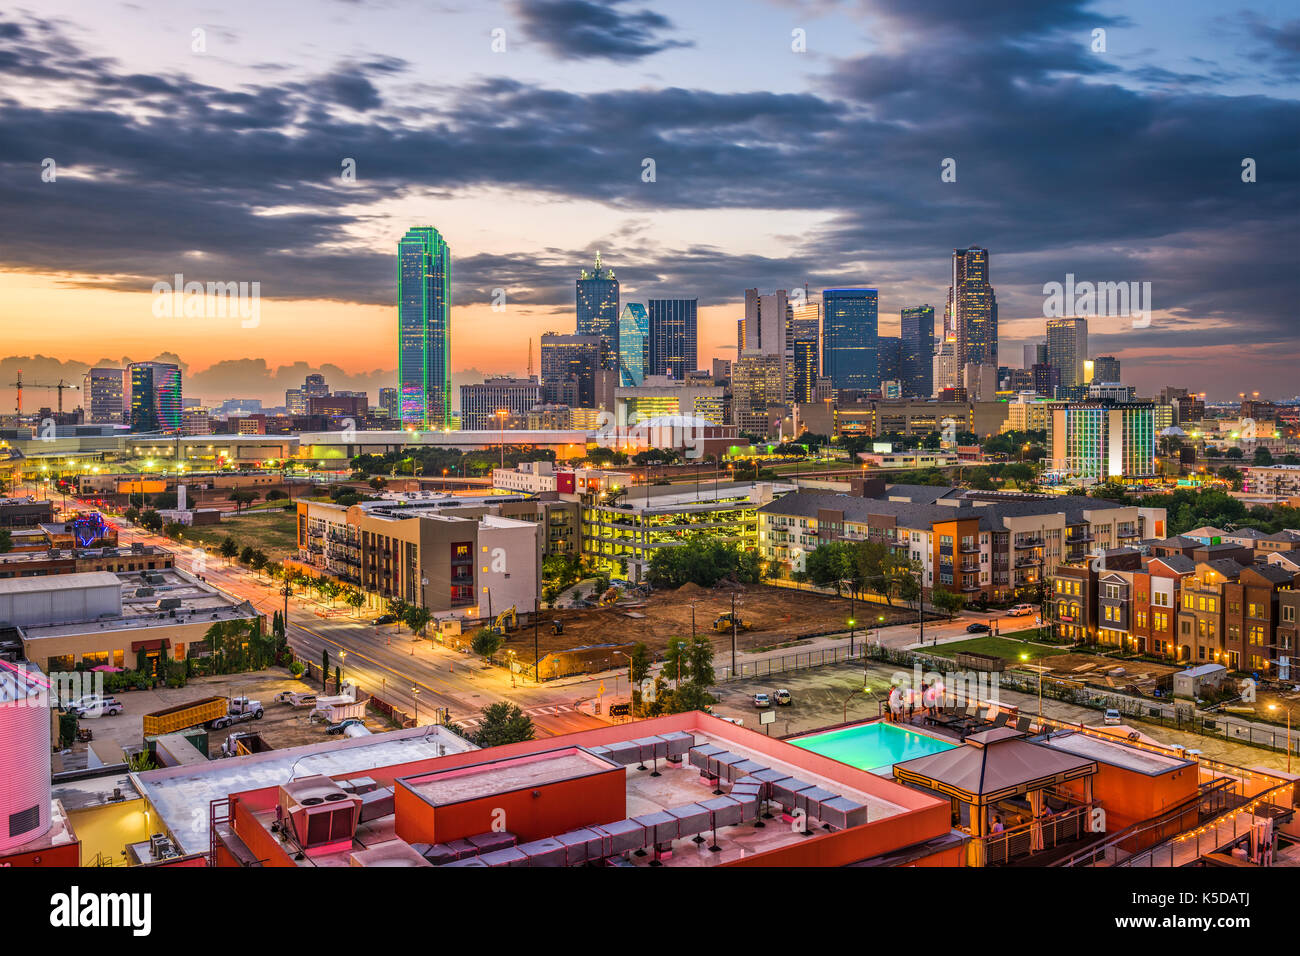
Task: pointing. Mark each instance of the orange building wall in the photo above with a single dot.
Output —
(530, 814)
(258, 839)
(848, 846)
(1129, 797)
(69, 854)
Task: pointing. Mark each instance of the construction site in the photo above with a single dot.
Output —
(766, 617)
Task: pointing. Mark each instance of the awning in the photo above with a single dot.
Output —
(160, 644)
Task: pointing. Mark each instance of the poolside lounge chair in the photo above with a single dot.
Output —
(1023, 724)
(1000, 720)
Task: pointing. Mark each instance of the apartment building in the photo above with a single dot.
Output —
(990, 544)
(470, 565)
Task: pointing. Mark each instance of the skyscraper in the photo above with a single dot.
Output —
(1067, 347)
(805, 357)
(849, 331)
(673, 342)
(597, 301)
(971, 317)
(633, 345)
(106, 394)
(388, 403)
(492, 403)
(1105, 368)
(424, 328)
(155, 397)
(569, 367)
(916, 355)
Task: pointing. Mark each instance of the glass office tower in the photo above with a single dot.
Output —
(672, 336)
(597, 300)
(916, 356)
(424, 328)
(972, 311)
(155, 397)
(633, 345)
(849, 333)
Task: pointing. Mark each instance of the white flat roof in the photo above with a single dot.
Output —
(181, 794)
(59, 582)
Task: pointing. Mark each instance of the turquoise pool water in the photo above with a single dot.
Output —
(876, 746)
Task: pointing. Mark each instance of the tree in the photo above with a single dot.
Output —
(486, 642)
(151, 521)
(638, 670)
(1232, 475)
(173, 529)
(702, 561)
(690, 696)
(243, 496)
(503, 723)
(417, 618)
(228, 548)
(397, 607)
(1263, 456)
(832, 564)
(700, 656)
(377, 483)
(257, 560)
(246, 555)
(947, 601)
(354, 599)
(131, 514)
(677, 663)
(6, 541)
(275, 494)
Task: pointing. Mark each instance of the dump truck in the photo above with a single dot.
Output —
(723, 623)
(333, 709)
(171, 719)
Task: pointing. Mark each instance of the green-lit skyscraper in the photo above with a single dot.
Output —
(424, 328)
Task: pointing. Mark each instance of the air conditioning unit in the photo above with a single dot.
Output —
(319, 814)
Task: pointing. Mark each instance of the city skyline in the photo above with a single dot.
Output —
(839, 183)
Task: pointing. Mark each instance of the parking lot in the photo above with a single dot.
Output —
(281, 726)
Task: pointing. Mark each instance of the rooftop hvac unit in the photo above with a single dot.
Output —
(319, 813)
(144, 592)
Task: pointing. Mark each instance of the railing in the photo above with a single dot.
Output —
(1034, 836)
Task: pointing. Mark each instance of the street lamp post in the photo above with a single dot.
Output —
(415, 692)
(1288, 734)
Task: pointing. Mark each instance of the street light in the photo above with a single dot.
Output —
(415, 692)
(1288, 734)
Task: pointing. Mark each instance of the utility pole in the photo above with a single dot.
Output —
(733, 634)
(537, 613)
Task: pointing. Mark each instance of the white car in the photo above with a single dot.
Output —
(95, 705)
(1020, 610)
(762, 700)
(1112, 717)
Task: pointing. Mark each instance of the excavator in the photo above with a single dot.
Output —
(610, 597)
(506, 621)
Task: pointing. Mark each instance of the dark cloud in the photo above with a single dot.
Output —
(1067, 161)
(577, 29)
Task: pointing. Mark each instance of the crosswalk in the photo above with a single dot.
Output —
(546, 711)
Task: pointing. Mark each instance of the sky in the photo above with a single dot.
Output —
(792, 143)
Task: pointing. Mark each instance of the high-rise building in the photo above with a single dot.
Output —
(889, 358)
(757, 392)
(106, 394)
(1105, 368)
(489, 405)
(764, 327)
(805, 352)
(849, 331)
(1047, 379)
(1067, 347)
(971, 317)
(633, 345)
(946, 372)
(1035, 353)
(424, 328)
(295, 402)
(389, 405)
(570, 360)
(673, 336)
(315, 386)
(598, 313)
(155, 397)
(1103, 440)
(916, 356)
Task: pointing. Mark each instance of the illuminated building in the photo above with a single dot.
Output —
(424, 328)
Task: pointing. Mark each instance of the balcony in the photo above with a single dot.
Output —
(1029, 543)
(970, 566)
(970, 548)
(1028, 562)
(1080, 537)
(969, 587)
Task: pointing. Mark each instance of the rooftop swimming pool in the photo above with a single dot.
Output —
(876, 746)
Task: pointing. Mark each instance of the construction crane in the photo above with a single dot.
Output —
(20, 385)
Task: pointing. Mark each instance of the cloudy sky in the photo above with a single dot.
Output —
(791, 142)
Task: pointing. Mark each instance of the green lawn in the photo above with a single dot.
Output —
(998, 647)
(274, 532)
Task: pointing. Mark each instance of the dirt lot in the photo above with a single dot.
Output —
(777, 615)
(281, 726)
(1144, 674)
